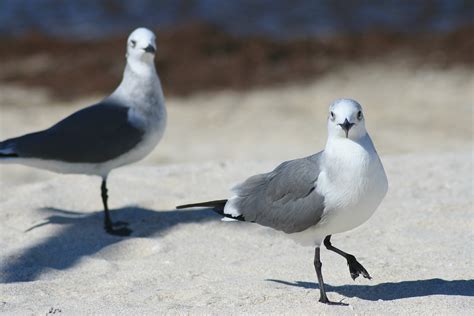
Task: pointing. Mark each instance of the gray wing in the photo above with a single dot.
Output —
(284, 199)
(92, 135)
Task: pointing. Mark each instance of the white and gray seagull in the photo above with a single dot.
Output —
(314, 197)
(121, 129)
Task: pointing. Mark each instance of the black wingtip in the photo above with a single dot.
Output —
(217, 204)
(11, 155)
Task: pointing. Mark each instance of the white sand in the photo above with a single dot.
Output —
(418, 246)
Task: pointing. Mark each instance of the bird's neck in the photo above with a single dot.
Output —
(143, 68)
(341, 149)
(140, 83)
(363, 141)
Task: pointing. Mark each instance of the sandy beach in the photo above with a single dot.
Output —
(418, 246)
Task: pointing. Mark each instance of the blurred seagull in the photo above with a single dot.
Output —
(121, 129)
(312, 198)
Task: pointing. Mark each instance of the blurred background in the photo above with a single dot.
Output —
(247, 79)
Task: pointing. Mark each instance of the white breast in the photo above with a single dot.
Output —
(154, 123)
(353, 183)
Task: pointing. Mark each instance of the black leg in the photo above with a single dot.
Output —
(355, 268)
(317, 266)
(103, 191)
(120, 229)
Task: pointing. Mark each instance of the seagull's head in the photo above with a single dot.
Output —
(346, 119)
(141, 46)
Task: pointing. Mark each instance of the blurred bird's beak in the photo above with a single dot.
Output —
(346, 126)
(150, 49)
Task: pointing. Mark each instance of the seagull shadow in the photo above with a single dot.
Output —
(83, 235)
(394, 291)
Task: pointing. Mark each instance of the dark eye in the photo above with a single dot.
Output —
(133, 43)
(359, 115)
(332, 116)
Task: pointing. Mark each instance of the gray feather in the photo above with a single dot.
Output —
(285, 199)
(92, 135)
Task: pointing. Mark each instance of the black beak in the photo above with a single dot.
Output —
(346, 126)
(150, 49)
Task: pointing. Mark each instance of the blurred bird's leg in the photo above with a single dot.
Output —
(120, 228)
(355, 268)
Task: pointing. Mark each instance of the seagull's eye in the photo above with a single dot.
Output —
(332, 116)
(133, 43)
(359, 115)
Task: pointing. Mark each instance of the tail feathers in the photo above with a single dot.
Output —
(217, 206)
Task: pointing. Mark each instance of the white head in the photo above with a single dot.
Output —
(346, 120)
(141, 48)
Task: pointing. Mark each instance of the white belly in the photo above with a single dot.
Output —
(337, 221)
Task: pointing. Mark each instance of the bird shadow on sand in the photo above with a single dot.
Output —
(396, 290)
(83, 235)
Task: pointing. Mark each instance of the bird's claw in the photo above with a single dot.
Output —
(355, 268)
(325, 300)
(120, 223)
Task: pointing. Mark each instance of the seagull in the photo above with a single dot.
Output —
(312, 198)
(121, 129)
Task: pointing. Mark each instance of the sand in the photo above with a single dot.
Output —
(418, 246)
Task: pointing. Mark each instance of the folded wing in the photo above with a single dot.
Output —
(93, 135)
(285, 199)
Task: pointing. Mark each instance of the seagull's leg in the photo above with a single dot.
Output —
(108, 225)
(317, 266)
(355, 268)
(103, 190)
